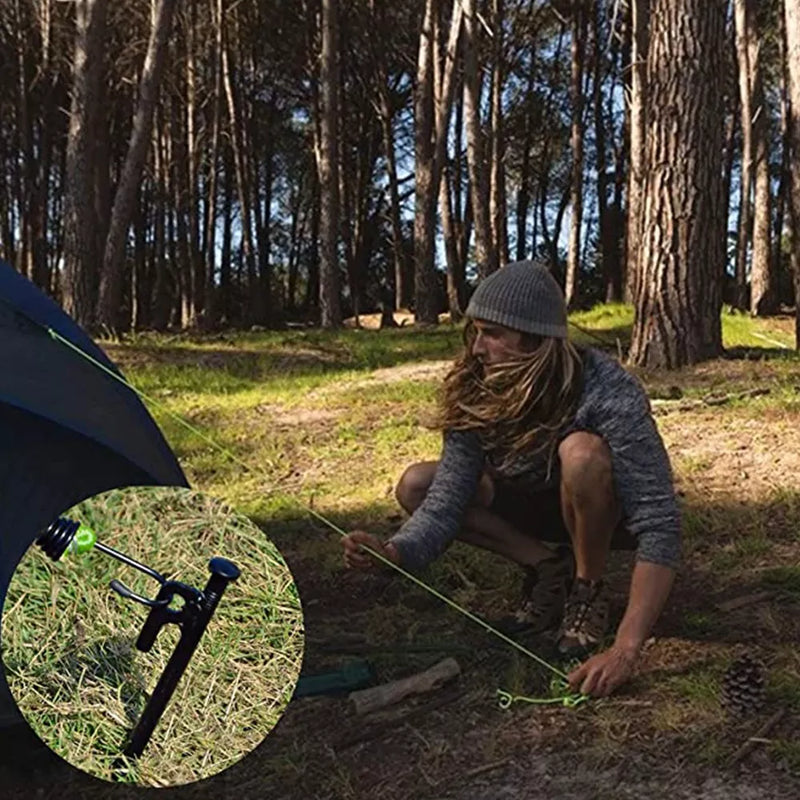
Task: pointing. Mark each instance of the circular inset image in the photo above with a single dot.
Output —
(152, 636)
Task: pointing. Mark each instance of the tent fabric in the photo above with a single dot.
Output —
(46, 377)
(68, 430)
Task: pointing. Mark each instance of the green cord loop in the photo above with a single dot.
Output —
(572, 700)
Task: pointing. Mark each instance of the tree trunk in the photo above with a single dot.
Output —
(160, 296)
(192, 168)
(497, 185)
(330, 304)
(237, 137)
(226, 309)
(125, 197)
(485, 252)
(579, 27)
(640, 22)
(761, 282)
(444, 90)
(80, 254)
(792, 21)
(783, 184)
(387, 117)
(746, 179)
(677, 320)
(212, 309)
(603, 214)
(426, 299)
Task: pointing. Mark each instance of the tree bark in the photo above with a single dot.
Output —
(80, 254)
(745, 220)
(677, 319)
(209, 235)
(607, 220)
(783, 183)
(497, 184)
(387, 123)
(125, 197)
(579, 28)
(330, 303)
(426, 296)
(444, 90)
(792, 22)
(485, 252)
(762, 299)
(640, 22)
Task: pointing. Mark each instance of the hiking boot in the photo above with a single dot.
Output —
(585, 617)
(544, 592)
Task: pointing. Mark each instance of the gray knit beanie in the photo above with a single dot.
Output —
(524, 296)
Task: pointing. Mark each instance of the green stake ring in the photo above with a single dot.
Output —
(83, 541)
(505, 699)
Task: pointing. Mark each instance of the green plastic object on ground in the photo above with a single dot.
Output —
(350, 676)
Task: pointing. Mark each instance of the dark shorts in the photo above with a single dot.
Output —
(537, 511)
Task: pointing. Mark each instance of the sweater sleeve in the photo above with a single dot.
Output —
(436, 522)
(642, 472)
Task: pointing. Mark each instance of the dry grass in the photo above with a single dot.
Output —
(69, 642)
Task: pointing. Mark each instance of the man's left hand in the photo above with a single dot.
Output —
(603, 673)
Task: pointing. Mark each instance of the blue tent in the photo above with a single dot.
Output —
(68, 430)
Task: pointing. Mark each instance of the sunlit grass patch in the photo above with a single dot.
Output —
(742, 330)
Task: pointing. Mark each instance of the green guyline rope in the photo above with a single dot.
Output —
(568, 700)
(576, 698)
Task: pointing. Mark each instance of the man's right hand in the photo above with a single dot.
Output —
(357, 558)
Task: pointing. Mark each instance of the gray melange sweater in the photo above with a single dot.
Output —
(613, 405)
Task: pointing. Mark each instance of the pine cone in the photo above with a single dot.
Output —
(743, 686)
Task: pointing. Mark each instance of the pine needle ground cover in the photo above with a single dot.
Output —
(331, 420)
(69, 641)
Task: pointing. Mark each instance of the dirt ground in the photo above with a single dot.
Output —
(665, 734)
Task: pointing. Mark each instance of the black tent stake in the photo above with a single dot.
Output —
(192, 618)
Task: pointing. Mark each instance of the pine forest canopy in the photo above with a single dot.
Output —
(232, 162)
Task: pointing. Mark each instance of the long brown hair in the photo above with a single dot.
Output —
(519, 405)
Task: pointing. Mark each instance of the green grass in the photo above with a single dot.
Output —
(739, 330)
(785, 578)
(69, 641)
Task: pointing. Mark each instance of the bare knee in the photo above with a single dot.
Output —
(417, 479)
(586, 469)
(414, 484)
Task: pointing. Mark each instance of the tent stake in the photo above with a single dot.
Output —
(192, 617)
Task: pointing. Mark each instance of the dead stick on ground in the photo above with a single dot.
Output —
(373, 732)
(748, 746)
(367, 700)
(746, 600)
(668, 406)
(486, 768)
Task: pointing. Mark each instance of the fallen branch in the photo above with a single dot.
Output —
(668, 406)
(758, 738)
(745, 600)
(366, 700)
(718, 400)
(373, 732)
(486, 768)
